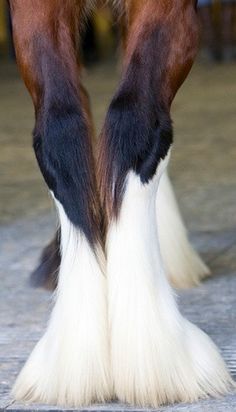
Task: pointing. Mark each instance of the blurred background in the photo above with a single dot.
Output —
(202, 169)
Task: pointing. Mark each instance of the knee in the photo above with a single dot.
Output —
(139, 129)
(57, 140)
(63, 152)
(137, 135)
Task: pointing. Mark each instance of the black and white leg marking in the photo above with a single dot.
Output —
(157, 355)
(70, 364)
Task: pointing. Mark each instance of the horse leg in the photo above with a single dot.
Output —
(157, 356)
(46, 273)
(70, 364)
(184, 267)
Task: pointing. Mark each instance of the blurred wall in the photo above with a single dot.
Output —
(4, 35)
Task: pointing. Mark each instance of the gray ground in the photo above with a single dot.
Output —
(203, 170)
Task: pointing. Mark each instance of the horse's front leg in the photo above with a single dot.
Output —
(157, 356)
(70, 364)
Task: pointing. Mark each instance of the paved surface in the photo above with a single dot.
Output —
(203, 169)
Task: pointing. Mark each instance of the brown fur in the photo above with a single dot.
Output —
(169, 31)
(46, 34)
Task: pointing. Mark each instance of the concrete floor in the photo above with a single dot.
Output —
(203, 169)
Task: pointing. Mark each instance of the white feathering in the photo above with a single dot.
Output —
(157, 356)
(70, 364)
(182, 264)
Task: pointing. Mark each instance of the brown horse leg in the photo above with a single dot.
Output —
(157, 356)
(46, 273)
(70, 363)
(184, 267)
